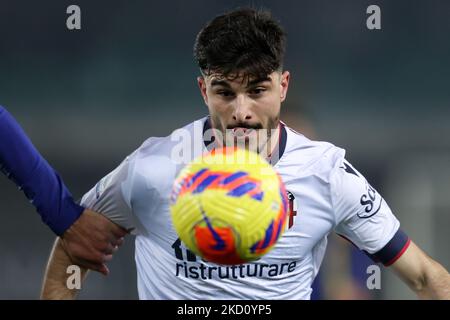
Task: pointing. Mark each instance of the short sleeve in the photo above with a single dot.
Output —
(111, 196)
(363, 216)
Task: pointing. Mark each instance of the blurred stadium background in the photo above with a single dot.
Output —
(88, 98)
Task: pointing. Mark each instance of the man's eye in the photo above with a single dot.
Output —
(225, 93)
(257, 91)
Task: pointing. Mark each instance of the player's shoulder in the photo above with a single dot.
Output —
(311, 157)
(158, 159)
(167, 145)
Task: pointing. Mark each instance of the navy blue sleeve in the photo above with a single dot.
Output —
(393, 249)
(22, 163)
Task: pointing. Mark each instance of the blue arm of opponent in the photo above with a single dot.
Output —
(22, 163)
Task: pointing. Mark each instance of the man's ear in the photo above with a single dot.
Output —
(202, 86)
(284, 85)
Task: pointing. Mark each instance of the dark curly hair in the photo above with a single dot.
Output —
(244, 42)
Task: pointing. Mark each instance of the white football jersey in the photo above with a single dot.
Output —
(325, 193)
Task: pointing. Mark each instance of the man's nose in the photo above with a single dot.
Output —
(241, 112)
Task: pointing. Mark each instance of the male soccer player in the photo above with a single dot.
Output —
(240, 56)
(89, 238)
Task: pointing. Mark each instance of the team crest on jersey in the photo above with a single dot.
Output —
(292, 210)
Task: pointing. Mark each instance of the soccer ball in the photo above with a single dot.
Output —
(229, 206)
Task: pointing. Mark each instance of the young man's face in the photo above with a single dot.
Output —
(245, 112)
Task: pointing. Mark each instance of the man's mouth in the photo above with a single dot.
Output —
(242, 132)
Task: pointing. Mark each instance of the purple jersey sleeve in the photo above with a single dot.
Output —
(22, 163)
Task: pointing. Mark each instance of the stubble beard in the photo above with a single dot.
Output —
(262, 141)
